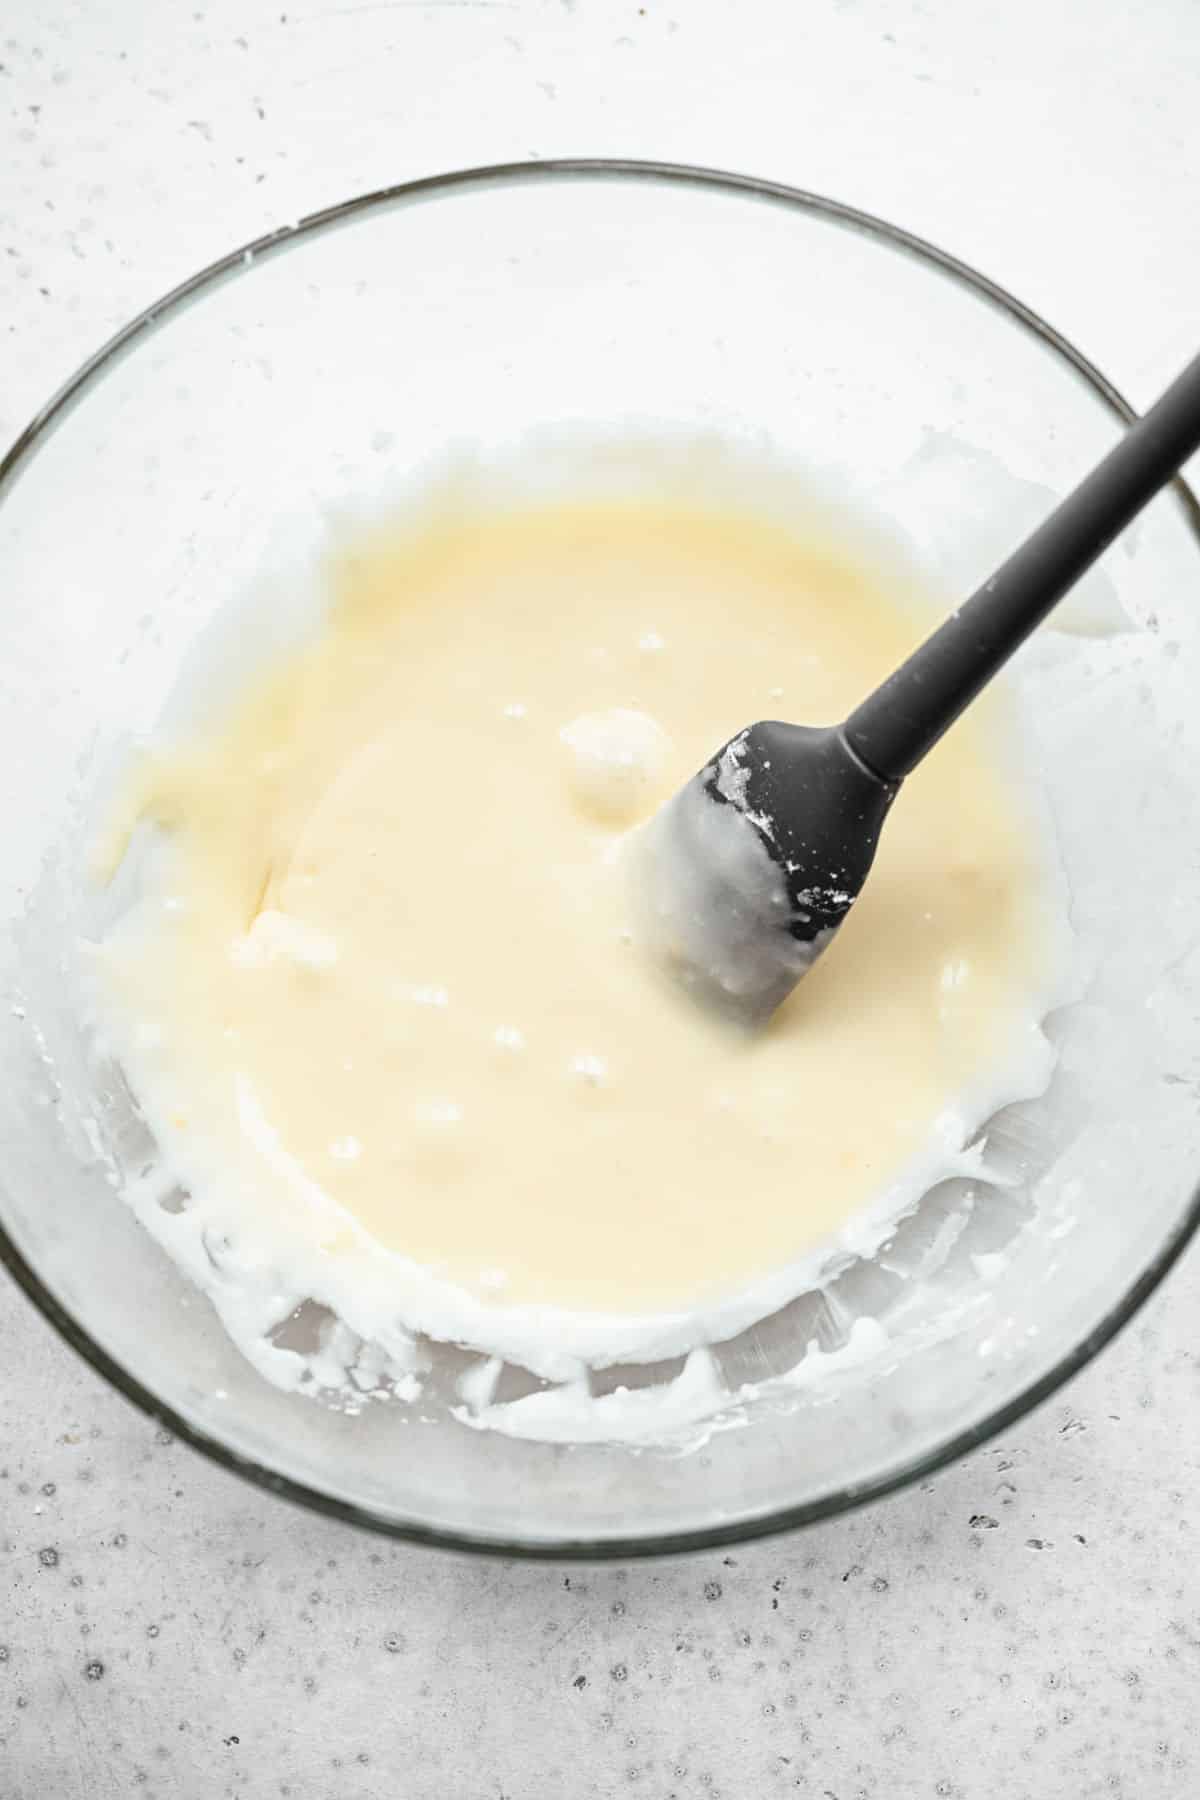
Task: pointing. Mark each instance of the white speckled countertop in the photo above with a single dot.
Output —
(1028, 1624)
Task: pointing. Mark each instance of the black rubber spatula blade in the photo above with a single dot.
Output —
(749, 870)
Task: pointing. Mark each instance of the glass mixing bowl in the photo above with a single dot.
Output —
(353, 349)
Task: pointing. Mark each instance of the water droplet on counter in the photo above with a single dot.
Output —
(346, 1149)
(508, 1037)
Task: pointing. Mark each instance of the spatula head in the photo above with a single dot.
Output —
(747, 873)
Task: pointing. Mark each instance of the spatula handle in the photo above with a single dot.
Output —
(896, 725)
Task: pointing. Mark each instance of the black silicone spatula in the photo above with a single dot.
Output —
(749, 870)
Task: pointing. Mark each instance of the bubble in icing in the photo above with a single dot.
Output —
(617, 761)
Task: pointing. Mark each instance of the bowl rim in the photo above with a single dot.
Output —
(647, 1544)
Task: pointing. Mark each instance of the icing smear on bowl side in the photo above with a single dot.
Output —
(377, 988)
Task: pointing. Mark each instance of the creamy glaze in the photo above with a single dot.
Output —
(383, 999)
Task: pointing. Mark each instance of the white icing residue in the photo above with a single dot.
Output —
(477, 1385)
(678, 1414)
(571, 1414)
(617, 758)
(733, 780)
